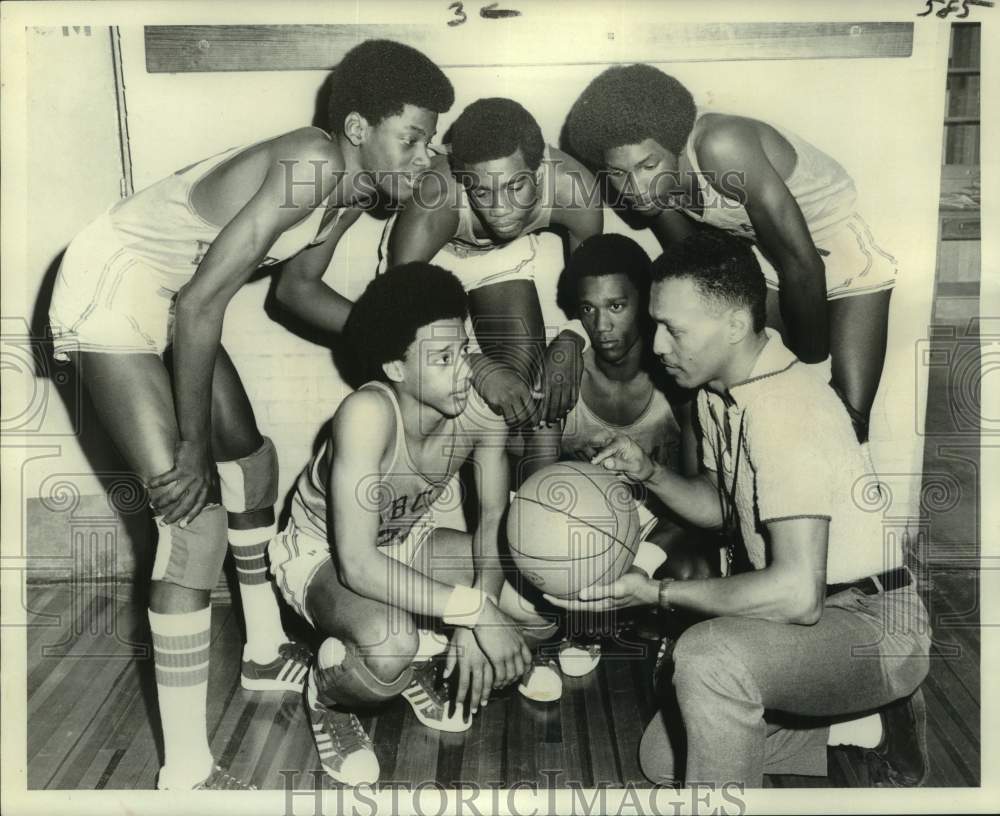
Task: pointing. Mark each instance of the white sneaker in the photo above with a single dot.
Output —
(541, 682)
(345, 749)
(429, 700)
(578, 659)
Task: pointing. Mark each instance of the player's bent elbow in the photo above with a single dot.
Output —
(288, 291)
(806, 608)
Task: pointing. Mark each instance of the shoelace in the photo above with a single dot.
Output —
(348, 732)
(223, 780)
(426, 676)
(298, 652)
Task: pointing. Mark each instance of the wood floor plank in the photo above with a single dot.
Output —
(483, 752)
(519, 747)
(286, 719)
(416, 759)
(74, 651)
(947, 733)
(62, 713)
(575, 735)
(626, 717)
(45, 621)
(386, 731)
(140, 762)
(93, 724)
(964, 711)
(600, 746)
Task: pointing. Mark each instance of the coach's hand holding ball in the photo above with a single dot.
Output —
(634, 588)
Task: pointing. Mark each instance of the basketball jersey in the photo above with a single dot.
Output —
(160, 226)
(401, 493)
(655, 430)
(465, 241)
(822, 188)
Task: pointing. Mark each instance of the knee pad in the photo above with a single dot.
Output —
(192, 556)
(350, 682)
(250, 483)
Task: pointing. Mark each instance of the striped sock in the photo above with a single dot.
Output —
(260, 605)
(180, 652)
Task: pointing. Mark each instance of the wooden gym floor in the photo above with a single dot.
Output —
(91, 706)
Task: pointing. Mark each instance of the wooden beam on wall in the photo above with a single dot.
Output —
(184, 49)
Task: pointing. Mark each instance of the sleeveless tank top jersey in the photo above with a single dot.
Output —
(401, 493)
(465, 241)
(160, 226)
(822, 188)
(655, 430)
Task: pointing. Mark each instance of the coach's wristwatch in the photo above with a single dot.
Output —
(665, 593)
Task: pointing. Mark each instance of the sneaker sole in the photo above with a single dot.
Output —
(258, 684)
(573, 670)
(524, 693)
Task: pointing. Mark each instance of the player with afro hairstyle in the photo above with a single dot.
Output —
(385, 319)
(364, 556)
(479, 217)
(181, 249)
(378, 77)
(681, 170)
(493, 128)
(626, 105)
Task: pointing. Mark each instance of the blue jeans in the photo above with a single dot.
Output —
(737, 679)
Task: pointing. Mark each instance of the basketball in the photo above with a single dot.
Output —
(572, 525)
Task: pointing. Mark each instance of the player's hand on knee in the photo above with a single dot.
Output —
(182, 492)
(623, 455)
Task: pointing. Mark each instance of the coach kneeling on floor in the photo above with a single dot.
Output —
(828, 623)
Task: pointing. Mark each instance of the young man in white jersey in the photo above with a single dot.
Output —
(361, 559)
(827, 623)
(606, 285)
(478, 215)
(679, 169)
(155, 274)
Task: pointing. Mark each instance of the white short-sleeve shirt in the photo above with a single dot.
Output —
(785, 439)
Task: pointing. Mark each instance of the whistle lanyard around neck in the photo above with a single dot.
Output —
(727, 493)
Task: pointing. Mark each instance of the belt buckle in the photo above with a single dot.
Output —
(878, 584)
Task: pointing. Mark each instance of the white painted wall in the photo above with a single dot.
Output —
(68, 169)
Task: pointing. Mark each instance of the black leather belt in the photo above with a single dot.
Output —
(873, 584)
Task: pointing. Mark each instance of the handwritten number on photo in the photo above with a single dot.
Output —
(489, 12)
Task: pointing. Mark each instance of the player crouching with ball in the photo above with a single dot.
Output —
(828, 622)
(360, 558)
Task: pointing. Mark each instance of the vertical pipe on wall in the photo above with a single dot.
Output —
(127, 187)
